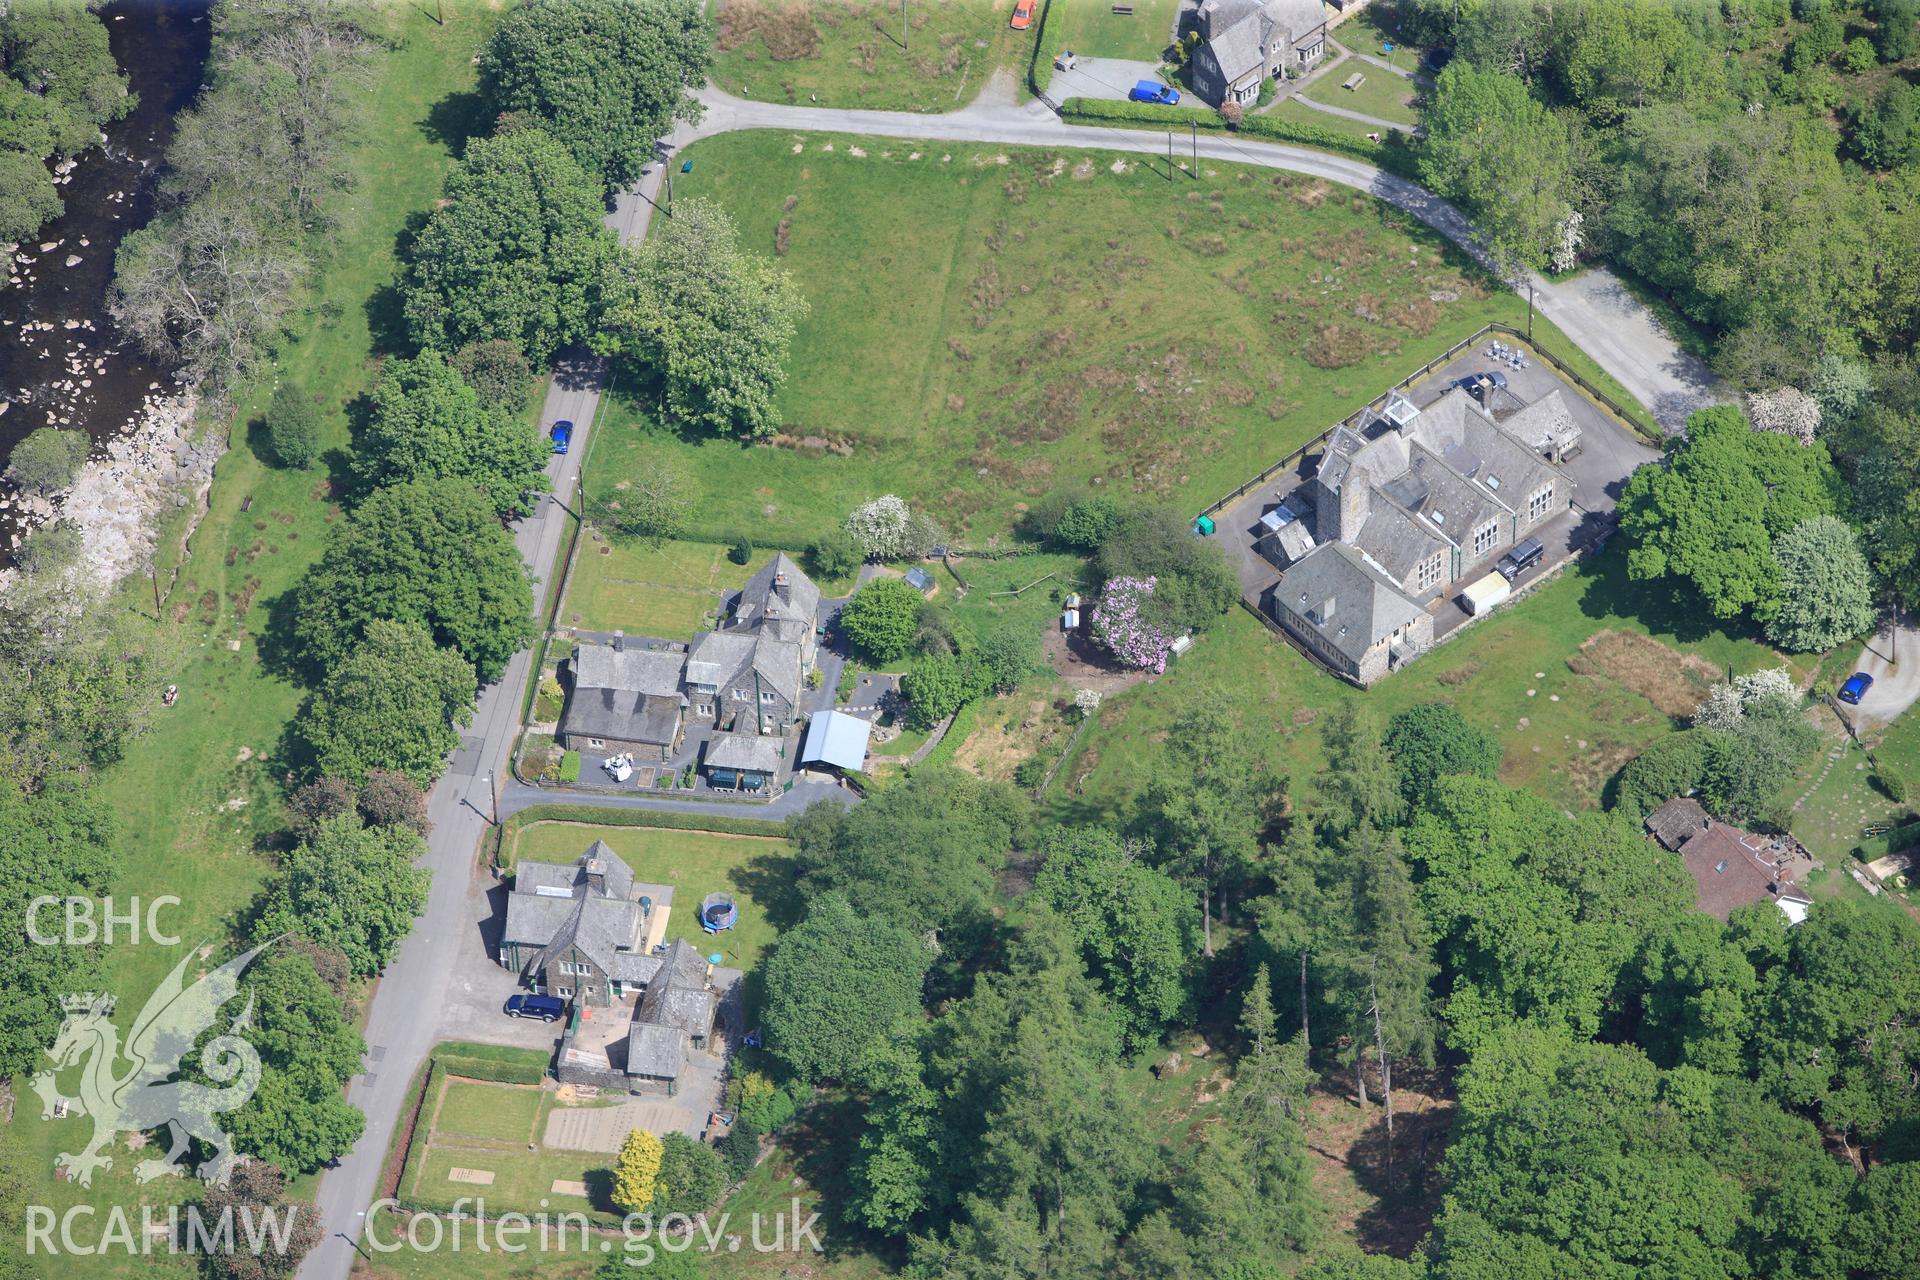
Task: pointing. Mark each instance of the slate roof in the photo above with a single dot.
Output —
(1484, 451)
(780, 600)
(1677, 821)
(655, 1051)
(1368, 606)
(1396, 541)
(1544, 423)
(1238, 50)
(749, 751)
(629, 695)
(678, 995)
(1298, 18)
(1451, 503)
(723, 658)
(604, 928)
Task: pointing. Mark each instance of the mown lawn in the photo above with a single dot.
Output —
(668, 591)
(990, 324)
(1093, 30)
(1301, 113)
(848, 53)
(755, 869)
(1381, 94)
(199, 790)
(500, 1112)
(1573, 680)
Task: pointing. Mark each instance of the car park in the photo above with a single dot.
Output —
(1855, 688)
(545, 1008)
(1155, 92)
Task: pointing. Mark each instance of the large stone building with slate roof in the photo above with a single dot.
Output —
(1246, 42)
(588, 932)
(584, 930)
(1409, 504)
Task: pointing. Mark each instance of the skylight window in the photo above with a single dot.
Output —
(1493, 482)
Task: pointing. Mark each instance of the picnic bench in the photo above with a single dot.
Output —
(1354, 81)
(1123, 11)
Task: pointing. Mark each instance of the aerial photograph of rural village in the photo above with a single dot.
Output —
(960, 640)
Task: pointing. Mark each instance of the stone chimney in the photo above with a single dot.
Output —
(596, 877)
(782, 589)
(619, 642)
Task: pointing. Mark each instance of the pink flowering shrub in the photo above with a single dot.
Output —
(1124, 623)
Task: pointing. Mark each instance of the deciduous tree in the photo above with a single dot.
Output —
(428, 423)
(881, 618)
(838, 980)
(1826, 592)
(513, 252)
(432, 553)
(610, 80)
(348, 887)
(393, 703)
(711, 322)
(636, 1171)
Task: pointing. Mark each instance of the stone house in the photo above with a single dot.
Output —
(584, 930)
(747, 674)
(625, 698)
(1246, 42)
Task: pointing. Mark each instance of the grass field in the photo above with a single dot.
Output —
(1381, 94)
(1374, 27)
(1301, 113)
(848, 53)
(199, 788)
(1052, 318)
(1573, 681)
(501, 1113)
(1092, 30)
(496, 1129)
(755, 869)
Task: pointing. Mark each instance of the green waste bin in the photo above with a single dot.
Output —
(1204, 526)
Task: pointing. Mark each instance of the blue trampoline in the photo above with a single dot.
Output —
(718, 912)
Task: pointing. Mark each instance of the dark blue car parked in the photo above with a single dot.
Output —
(1855, 688)
(561, 435)
(1154, 91)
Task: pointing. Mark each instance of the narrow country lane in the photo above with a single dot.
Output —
(1594, 310)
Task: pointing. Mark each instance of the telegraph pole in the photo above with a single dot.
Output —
(1193, 129)
(903, 26)
(1169, 155)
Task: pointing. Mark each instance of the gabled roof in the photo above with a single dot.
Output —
(1732, 868)
(623, 715)
(838, 739)
(1678, 821)
(750, 751)
(1298, 18)
(780, 600)
(602, 666)
(1239, 50)
(725, 657)
(655, 1051)
(1396, 541)
(1477, 447)
(1369, 607)
(678, 995)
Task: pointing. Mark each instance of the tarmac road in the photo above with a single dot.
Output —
(1895, 687)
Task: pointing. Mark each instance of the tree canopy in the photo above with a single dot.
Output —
(515, 250)
(838, 980)
(1709, 517)
(712, 322)
(608, 80)
(882, 618)
(431, 552)
(1431, 740)
(429, 423)
(392, 704)
(351, 888)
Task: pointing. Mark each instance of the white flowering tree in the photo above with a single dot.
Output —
(881, 528)
(1567, 239)
(1727, 704)
(1087, 703)
(1786, 411)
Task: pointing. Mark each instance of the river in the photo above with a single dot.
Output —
(62, 361)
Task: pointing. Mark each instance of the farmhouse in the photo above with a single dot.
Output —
(1734, 868)
(1407, 503)
(1246, 42)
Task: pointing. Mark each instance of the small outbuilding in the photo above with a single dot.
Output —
(920, 580)
(836, 740)
(741, 761)
(1677, 821)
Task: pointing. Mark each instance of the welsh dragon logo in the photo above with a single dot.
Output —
(145, 1095)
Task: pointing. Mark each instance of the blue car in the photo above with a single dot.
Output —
(1855, 688)
(1154, 91)
(545, 1008)
(561, 435)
